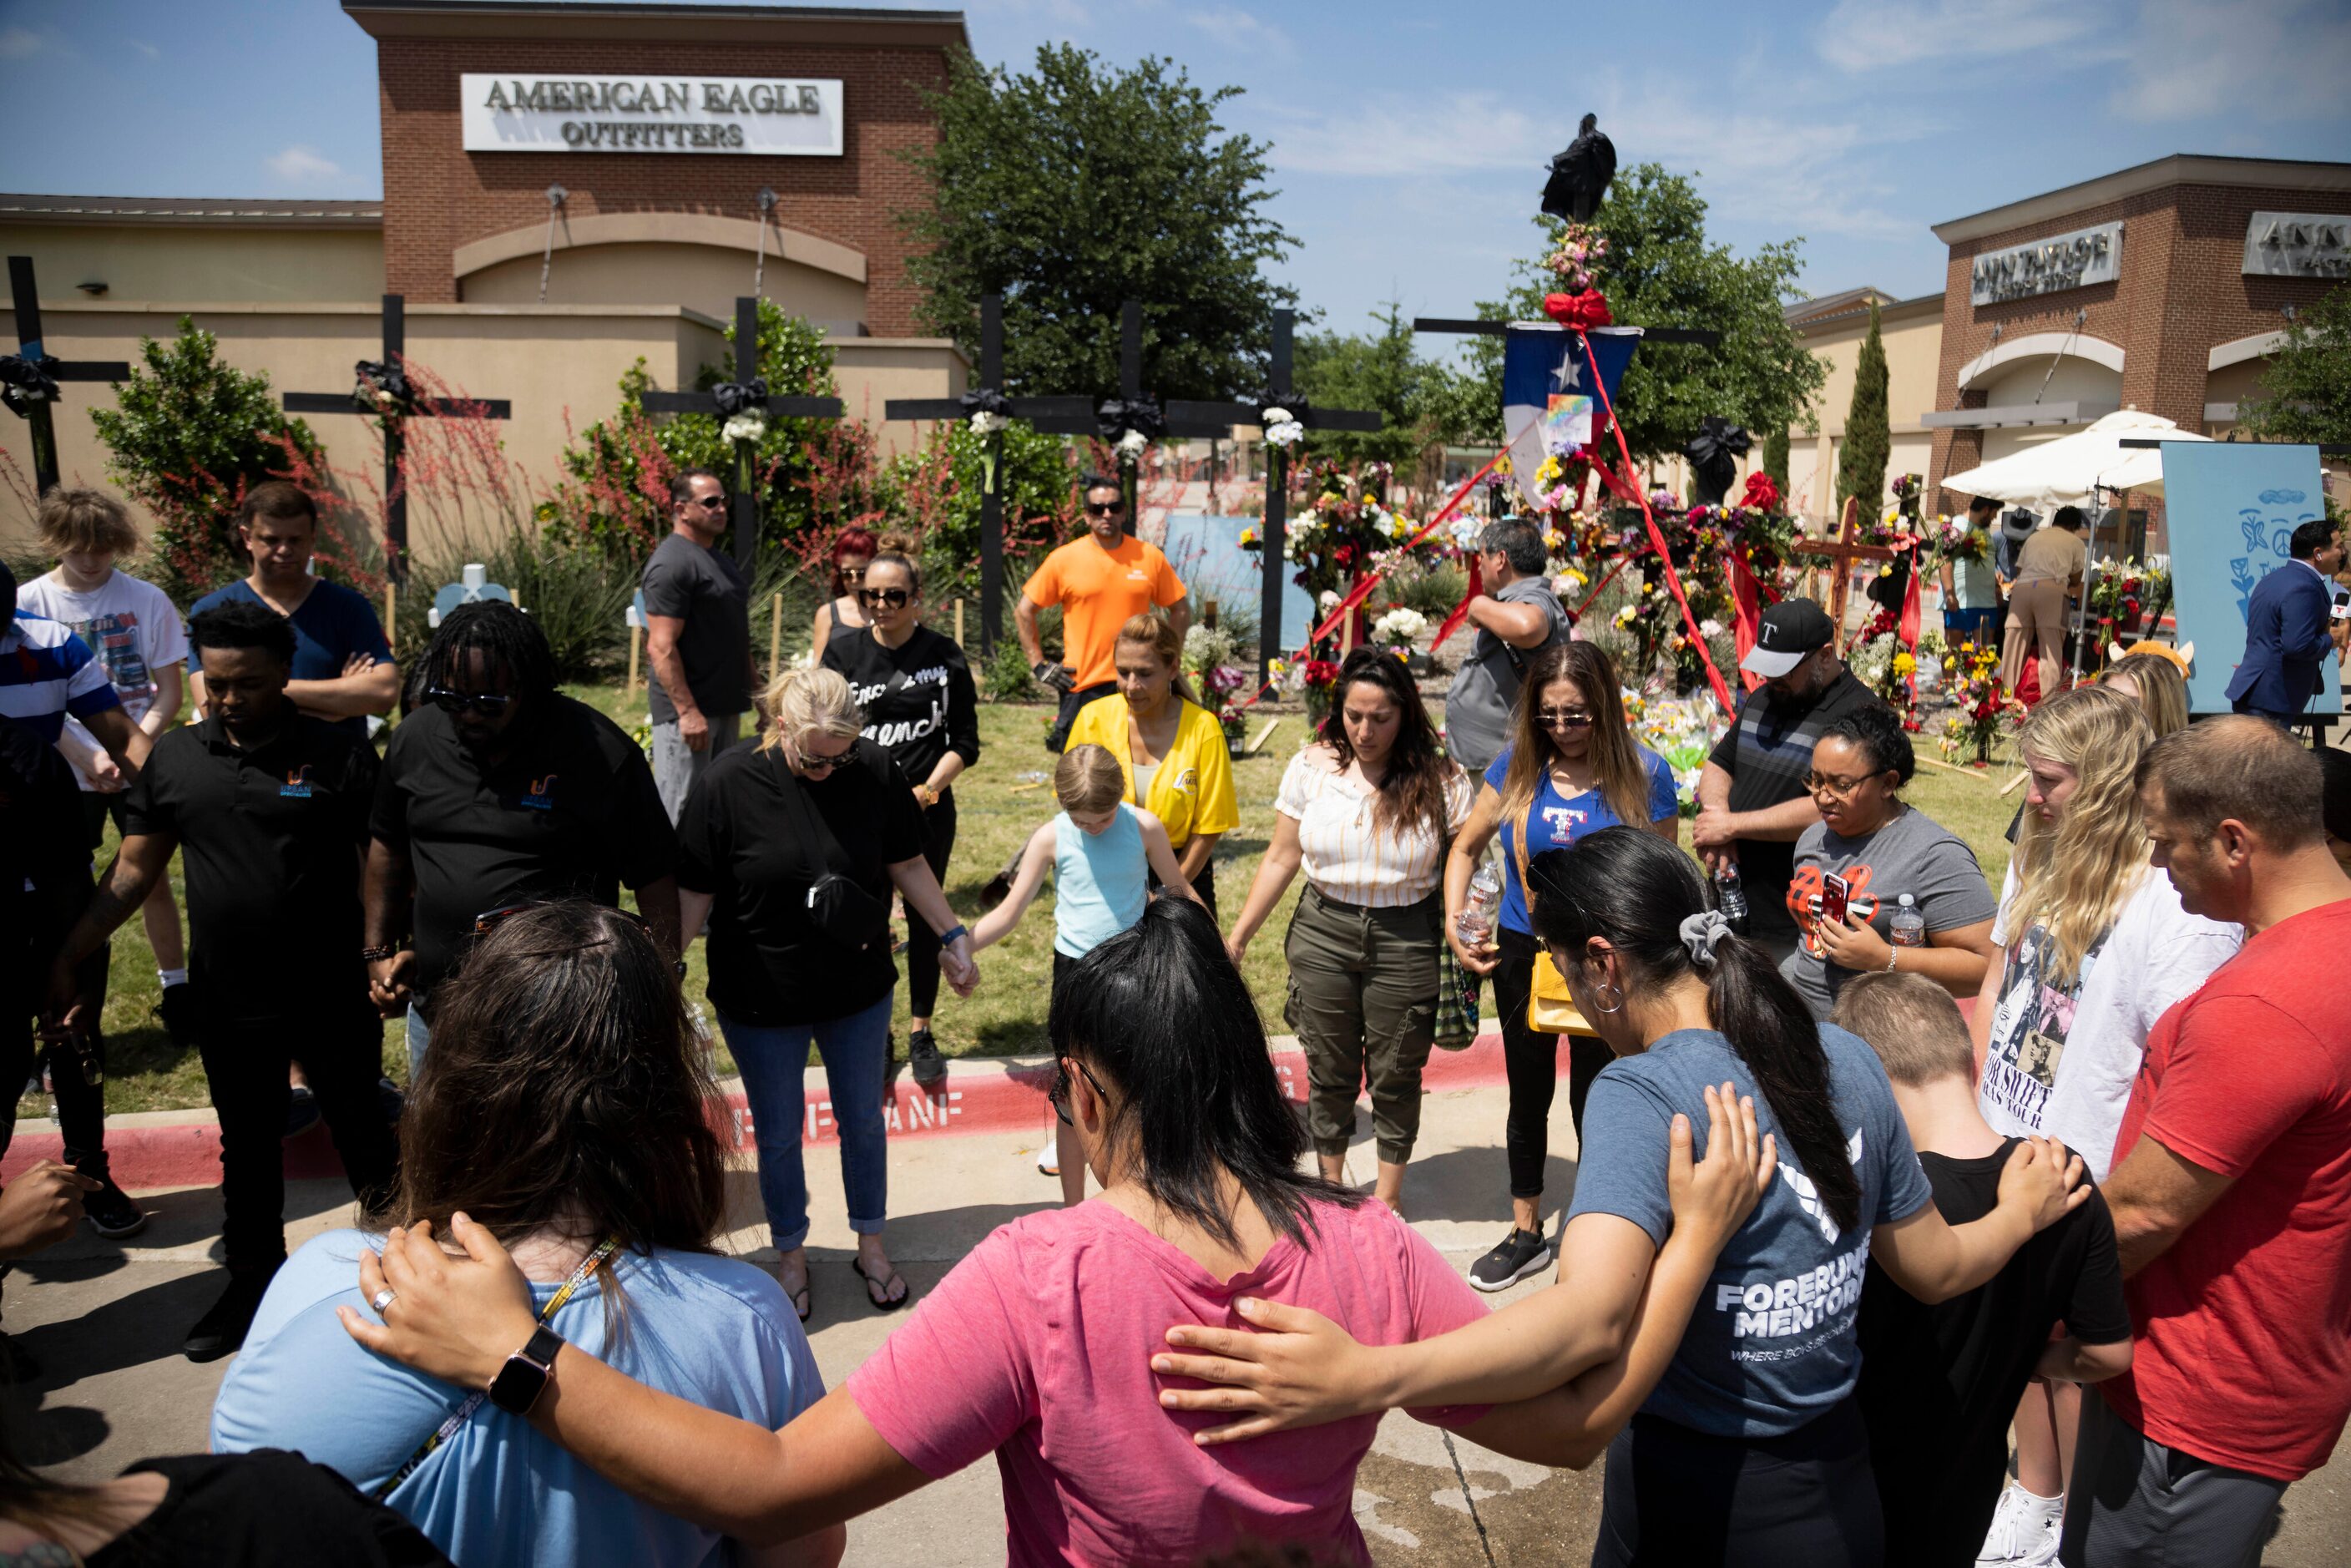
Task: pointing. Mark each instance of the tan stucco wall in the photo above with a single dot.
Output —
(1913, 343)
(140, 263)
(555, 363)
(700, 278)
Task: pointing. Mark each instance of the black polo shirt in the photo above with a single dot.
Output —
(570, 813)
(44, 858)
(270, 842)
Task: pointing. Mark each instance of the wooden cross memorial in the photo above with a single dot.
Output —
(382, 391)
(744, 394)
(1841, 554)
(1279, 396)
(29, 378)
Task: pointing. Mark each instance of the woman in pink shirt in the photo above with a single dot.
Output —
(1035, 1347)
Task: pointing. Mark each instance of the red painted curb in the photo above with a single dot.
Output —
(977, 1097)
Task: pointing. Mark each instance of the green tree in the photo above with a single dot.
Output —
(2308, 381)
(1420, 399)
(1077, 186)
(1661, 271)
(187, 437)
(1868, 440)
(1775, 456)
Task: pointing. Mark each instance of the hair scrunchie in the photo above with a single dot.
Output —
(1702, 932)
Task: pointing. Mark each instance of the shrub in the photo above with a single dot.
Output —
(572, 593)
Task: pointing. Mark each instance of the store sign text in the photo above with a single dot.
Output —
(2298, 245)
(756, 115)
(2071, 260)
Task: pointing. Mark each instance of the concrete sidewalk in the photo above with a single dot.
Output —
(105, 1321)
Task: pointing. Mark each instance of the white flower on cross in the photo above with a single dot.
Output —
(750, 425)
(1283, 429)
(1132, 443)
(986, 424)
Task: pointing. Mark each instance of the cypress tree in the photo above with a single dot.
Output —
(1868, 441)
(1775, 456)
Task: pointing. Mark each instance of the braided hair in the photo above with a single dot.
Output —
(507, 638)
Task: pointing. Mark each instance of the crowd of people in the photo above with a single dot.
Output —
(1875, 1165)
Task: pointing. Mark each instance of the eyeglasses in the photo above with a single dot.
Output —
(489, 920)
(1564, 717)
(1829, 784)
(1109, 510)
(447, 701)
(892, 597)
(1059, 1095)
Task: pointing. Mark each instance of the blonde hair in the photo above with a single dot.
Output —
(1911, 1024)
(1623, 777)
(2162, 690)
(2073, 875)
(85, 519)
(1088, 779)
(800, 703)
(1149, 628)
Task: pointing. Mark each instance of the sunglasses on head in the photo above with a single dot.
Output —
(1059, 1095)
(447, 701)
(491, 919)
(892, 598)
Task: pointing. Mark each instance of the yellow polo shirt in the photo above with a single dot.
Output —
(1193, 791)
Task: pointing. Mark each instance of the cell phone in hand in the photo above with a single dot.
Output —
(1836, 896)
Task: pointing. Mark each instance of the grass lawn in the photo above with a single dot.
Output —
(997, 811)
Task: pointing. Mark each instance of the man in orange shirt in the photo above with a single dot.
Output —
(1098, 582)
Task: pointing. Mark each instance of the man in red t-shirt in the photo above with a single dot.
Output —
(2231, 1183)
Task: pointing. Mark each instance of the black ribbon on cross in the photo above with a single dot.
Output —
(26, 383)
(1115, 416)
(1265, 399)
(381, 389)
(1714, 454)
(740, 397)
(986, 399)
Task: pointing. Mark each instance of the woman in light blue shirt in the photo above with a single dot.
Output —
(563, 1105)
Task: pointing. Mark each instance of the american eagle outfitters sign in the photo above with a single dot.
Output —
(652, 114)
(2062, 261)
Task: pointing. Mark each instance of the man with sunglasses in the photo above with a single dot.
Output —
(697, 639)
(269, 809)
(1100, 581)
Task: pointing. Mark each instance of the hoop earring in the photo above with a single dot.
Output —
(1620, 999)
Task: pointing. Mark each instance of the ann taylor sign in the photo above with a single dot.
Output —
(652, 114)
(2063, 261)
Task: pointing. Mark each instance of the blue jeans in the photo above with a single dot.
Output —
(417, 1035)
(773, 1060)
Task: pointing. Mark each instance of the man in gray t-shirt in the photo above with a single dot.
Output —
(698, 640)
(1517, 617)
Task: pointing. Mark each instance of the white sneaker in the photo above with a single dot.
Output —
(1049, 1161)
(2023, 1533)
(2044, 1552)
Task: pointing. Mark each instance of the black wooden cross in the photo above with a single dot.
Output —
(1131, 411)
(1277, 395)
(745, 392)
(382, 392)
(988, 399)
(29, 378)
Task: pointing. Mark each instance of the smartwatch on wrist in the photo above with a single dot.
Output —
(952, 935)
(527, 1373)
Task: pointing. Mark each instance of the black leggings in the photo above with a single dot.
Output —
(1530, 1058)
(1674, 1496)
(922, 942)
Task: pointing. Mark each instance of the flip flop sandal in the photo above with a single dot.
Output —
(884, 1304)
(800, 1303)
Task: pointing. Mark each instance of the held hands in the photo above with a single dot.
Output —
(453, 1317)
(388, 981)
(41, 1207)
(1236, 949)
(1712, 1197)
(2043, 1181)
(1855, 945)
(959, 966)
(1299, 1369)
(69, 1007)
(105, 774)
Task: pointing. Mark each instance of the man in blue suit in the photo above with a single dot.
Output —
(2288, 629)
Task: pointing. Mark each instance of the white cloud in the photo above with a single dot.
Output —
(15, 43)
(304, 166)
(1877, 35)
(2281, 61)
(150, 50)
(1239, 30)
(1467, 133)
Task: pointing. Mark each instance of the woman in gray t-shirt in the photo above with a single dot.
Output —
(1882, 849)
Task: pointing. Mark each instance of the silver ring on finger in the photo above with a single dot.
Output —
(383, 1299)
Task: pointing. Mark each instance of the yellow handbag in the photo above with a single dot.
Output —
(1551, 1009)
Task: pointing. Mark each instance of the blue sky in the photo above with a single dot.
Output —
(1409, 137)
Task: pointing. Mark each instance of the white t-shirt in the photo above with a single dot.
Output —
(2060, 1062)
(132, 626)
(1340, 853)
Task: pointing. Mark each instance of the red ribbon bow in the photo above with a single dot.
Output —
(1577, 312)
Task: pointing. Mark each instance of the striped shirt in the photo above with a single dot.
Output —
(46, 672)
(1342, 856)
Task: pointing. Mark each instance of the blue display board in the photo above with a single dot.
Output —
(1208, 557)
(2230, 508)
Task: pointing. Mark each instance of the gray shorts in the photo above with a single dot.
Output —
(675, 766)
(2133, 1501)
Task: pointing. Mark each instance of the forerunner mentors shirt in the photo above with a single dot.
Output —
(918, 698)
(571, 812)
(270, 839)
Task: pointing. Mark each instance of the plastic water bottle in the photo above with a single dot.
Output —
(1730, 899)
(705, 1041)
(1909, 925)
(1476, 921)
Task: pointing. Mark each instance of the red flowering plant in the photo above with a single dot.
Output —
(1986, 708)
(1881, 663)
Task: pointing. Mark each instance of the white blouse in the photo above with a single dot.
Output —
(1344, 857)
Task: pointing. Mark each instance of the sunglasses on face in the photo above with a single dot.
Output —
(708, 503)
(1110, 509)
(852, 574)
(489, 703)
(1059, 1095)
(811, 763)
(1564, 717)
(889, 598)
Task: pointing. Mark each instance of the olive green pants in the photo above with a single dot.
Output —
(1363, 999)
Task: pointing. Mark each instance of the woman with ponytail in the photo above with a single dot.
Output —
(1746, 1447)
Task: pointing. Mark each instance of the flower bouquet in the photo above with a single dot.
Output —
(1399, 629)
(2119, 594)
(1985, 707)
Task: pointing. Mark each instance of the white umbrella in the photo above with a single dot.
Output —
(2069, 471)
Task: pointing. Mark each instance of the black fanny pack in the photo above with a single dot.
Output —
(837, 904)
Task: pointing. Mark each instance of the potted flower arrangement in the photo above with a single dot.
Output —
(1985, 707)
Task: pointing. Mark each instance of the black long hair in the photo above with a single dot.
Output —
(507, 638)
(1160, 1015)
(1411, 793)
(1633, 890)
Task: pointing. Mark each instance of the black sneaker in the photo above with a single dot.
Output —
(301, 1111)
(922, 1054)
(389, 1099)
(220, 1331)
(1522, 1253)
(178, 1010)
(109, 1210)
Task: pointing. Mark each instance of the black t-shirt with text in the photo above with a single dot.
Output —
(570, 813)
(270, 842)
(1767, 752)
(918, 697)
(746, 840)
(708, 591)
(1940, 1385)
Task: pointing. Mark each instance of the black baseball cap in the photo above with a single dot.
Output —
(1789, 630)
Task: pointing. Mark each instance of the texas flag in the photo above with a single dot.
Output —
(1550, 403)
